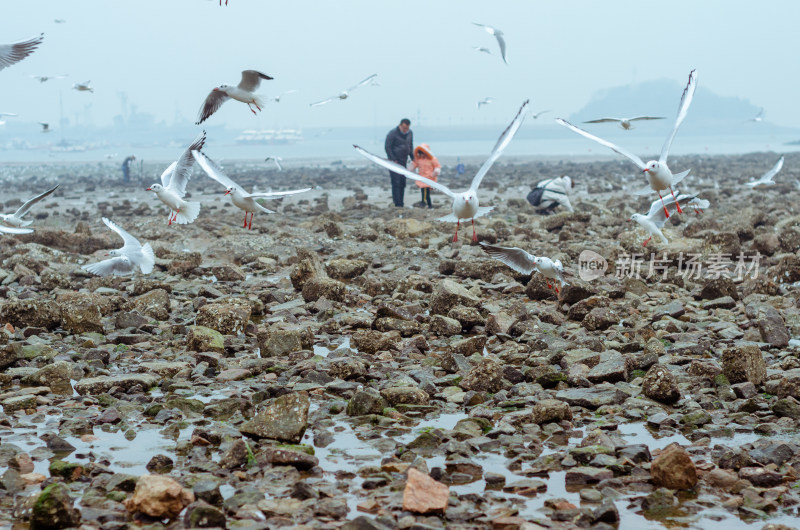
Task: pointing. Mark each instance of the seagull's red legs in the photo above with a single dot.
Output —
(474, 235)
(455, 237)
(662, 204)
(646, 241)
(676, 202)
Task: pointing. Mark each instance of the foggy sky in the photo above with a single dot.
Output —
(166, 55)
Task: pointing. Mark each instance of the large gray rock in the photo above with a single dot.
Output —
(744, 363)
(547, 410)
(485, 377)
(770, 324)
(54, 509)
(284, 419)
(228, 318)
(659, 384)
(38, 313)
(57, 376)
(317, 287)
(612, 369)
(154, 304)
(345, 269)
(366, 401)
(405, 395)
(201, 339)
(79, 313)
(593, 398)
(99, 385)
(449, 294)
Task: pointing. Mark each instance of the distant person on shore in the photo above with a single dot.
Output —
(550, 193)
(399, 148)
(426, 165)
(126, 168)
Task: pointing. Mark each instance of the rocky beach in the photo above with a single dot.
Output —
(345, 364)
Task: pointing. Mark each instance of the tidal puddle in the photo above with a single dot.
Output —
(324, 350)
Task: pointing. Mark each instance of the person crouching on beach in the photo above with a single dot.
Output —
(550, 193)
(426, 165)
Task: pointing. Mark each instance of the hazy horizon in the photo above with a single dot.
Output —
(559, 55)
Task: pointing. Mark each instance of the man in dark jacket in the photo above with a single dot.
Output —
(126, 168)
(399, 148)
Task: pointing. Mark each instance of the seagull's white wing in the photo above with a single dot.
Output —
(10, 114)
(514, 257)
(131, 243)
(617, 149)
(499, 147)
(251, 79)
(118, 265)
(214, 171)
(278, 194)
(641, 118)
(397, 168)
(183, 169)
(686, 100)
(604, 120)
(316, 104)
(362, 83)
(14, 53)
(13, 230)
(166, 176)
(656, 213)
(766, 177)
(535, 116)
(30, 202)
(213, 102)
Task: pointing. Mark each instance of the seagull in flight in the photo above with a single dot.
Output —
(14, 53)
(346, 93)
(482, 49)
(766, 178)
(43, 78)
(277, 161)
(125, 260)
(45, 127)
(625, 123)
(658, 173)
(536, 116)
(759, 117)
(655, 218)
(485, 101)
(173, 186)
(465, 204)
(525, 263)
(239, 197)
(277, 99)
(83, 87)
(244, 92)
(14, 220)
(497, 35)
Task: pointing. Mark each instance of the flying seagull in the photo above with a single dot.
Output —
(83, 87)
(625, 123)
(766, 178)
(346, 93)
(14, 53)
(124, 260)
(15, 219)
(485, 101)
(497, 35)
(43, 78)
(244, 92)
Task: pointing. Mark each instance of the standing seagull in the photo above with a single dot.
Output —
(766, 178)
(239, 197)
(525, 263)
(126, 259)
(654, 220)
(15, 219)
(658, 173)
(244, 92)
(625, 123)
(346, 93)
(173, 186)
(465, 204)
(14, 53)
(497, 35)
(83, 87)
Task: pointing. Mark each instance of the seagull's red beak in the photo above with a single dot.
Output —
(215, 89)
(645, 170)
(148, 189)
(106, 254)
(227, 192)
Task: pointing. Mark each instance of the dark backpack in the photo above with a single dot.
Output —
(535, 196)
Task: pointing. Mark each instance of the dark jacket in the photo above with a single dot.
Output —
(399, 146)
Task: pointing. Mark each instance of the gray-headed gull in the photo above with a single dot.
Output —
(497, 35)
(43, 78)
(244, 92)
(83, 87)
(465, 204)
(525, 263)
(277, 161)
(485, 101)
(15, 219)
(766, 178)
(173, 186)
(239, 197)
(654, 220)
(658, 173)
(346, 93)
(625, 123)
(14, 53)
(125, 260)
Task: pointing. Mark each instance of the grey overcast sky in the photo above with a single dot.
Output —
(166, 55)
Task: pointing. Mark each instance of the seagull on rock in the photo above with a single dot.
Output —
(244, 92)
(239, 197)
(658, 173)
(173, 186)
(465, 204)
(125, 260)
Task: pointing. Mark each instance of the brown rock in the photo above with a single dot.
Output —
(744, 363)
(318, 286)
(449, 294)
(423, 494)
(159, 496)
(227, 318)
(154, 304)
(674, 469)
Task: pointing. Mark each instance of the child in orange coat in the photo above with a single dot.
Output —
(427, 166)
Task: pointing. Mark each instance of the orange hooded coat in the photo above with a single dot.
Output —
(426, 164)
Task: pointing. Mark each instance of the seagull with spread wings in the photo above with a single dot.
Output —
(659, 175)
(625, 123)
(654, 220)
(15, 220)
(465, 204)
(766, 178)
(124, 260)
(239, 197)
(173, 186)
(525, 263)
(14, 53)
(346, 93)
(497, 34)
(244, 92)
